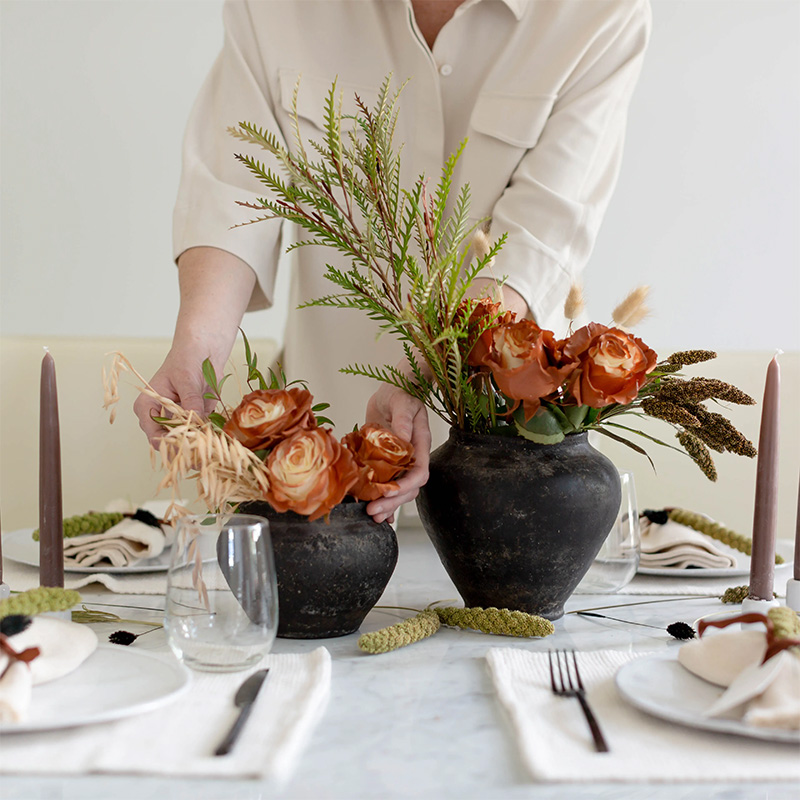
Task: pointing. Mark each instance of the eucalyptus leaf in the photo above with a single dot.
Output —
(209, 374)
(543, 427)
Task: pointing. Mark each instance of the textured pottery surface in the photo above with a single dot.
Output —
(517, 524)
(330, 574)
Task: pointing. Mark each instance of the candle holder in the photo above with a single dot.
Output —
(793, 594)
(753, 605)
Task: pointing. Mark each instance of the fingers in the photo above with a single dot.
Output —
(384, 508)
(145, 408)
(179, 385)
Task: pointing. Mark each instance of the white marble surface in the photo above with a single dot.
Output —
(422, 722)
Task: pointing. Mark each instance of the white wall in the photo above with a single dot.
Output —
(93, 100)
(94, 97)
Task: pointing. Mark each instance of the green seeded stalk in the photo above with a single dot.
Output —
(425, 624)
(37, 601)
(93, 522)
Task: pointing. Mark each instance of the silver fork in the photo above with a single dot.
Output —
(565, 686)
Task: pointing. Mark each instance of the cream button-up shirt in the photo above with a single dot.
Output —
(540, 88)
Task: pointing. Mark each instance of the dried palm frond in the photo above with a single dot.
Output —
(224, 470)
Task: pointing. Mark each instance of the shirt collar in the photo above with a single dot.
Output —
(517, 7)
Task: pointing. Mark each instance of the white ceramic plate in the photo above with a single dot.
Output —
(742, 567)
(114, 682)
(20, 547)
(660, 686)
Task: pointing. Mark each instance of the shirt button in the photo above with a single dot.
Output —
(445, 70)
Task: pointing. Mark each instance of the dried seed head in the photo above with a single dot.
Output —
(684, 357)
(698, 452)
(480, 244)
(632, 310)
(671, 412)
(574, 305)
(681, 630)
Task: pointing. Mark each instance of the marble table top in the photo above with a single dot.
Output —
(422, 722)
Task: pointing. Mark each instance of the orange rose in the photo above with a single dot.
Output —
(485, 317)
(310, 472)
(381, 457)
(613, 365)
(527, 363)
(266, 416)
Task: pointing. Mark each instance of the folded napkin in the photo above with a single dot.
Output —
(676, 545)
(556, 745)
(762, 694)
(63, 646)
(126, 543)
(180, 738)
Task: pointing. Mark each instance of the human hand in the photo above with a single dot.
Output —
(180, 378)
(406, 417)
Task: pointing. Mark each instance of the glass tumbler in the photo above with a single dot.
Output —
(618, 559)
(222, 598)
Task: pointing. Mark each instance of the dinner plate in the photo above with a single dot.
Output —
(742, 567)
(660, 686)
(20, 547)
(114, 682)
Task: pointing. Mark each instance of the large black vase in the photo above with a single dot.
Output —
(330, 574)
(518, 524)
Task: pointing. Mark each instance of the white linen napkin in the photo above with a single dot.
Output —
(125, 543)
(63, 646)
(678, 546)
(180, 738)
(765, 694)
(556, 745)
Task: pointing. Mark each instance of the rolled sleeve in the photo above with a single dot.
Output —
(212, 181)
(556, 198)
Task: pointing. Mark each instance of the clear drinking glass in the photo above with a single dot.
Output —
(618, 559)
(222, 597)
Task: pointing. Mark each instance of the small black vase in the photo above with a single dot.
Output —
(518, 524)
(330, 574)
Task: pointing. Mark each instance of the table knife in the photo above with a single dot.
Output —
(244, 700)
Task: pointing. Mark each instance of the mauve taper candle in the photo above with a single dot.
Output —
(797, 540)
(51, 524)
(765, 514)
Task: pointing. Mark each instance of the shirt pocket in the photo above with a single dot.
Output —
(503, 128)
(312, 96)
(513, 119)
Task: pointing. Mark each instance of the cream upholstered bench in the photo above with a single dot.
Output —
(100, 461)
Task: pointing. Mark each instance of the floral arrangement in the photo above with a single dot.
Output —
(412, 263)
(274, 446)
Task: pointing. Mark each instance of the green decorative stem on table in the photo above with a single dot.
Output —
(38, 601)
(500, 621)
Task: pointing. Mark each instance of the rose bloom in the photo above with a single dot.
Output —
(381, 457)
(478, 343)
(310, 472)
(527, 363)
(613, 365)
(266, 416)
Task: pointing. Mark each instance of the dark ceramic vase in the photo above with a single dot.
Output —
(330, 574)
(518, 524)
